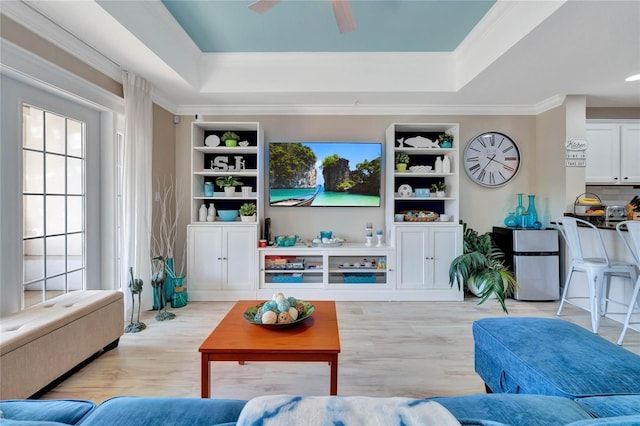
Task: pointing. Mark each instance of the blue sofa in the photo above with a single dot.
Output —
(481, 409)
(544, 372)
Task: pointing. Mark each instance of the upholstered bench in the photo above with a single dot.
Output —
(43, 342)
(551, 357)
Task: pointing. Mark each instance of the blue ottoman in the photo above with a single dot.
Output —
(551, 357)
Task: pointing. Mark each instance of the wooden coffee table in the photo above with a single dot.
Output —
(314, 340)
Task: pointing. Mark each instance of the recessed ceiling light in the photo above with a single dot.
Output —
(635, 77)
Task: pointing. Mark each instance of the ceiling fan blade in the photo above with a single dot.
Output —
(344, 16)
(263, 6)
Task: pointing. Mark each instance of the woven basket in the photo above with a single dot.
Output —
(432, 216)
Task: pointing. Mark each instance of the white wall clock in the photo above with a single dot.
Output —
(491, 159)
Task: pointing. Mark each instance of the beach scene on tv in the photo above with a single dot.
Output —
(324, 174)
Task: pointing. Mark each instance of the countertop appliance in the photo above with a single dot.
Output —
(615, 213)
(533, 256)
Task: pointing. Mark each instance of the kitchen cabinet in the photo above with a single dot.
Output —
(221, 262)
(613, 153)
(423, 256)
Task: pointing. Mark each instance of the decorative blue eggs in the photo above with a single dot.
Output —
(270, 306)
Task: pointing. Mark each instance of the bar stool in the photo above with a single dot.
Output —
(598, 269)
(633, 245)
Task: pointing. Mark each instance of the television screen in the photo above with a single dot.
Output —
(324, 174)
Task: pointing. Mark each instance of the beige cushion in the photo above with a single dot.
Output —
(43, 342)
(22, 327)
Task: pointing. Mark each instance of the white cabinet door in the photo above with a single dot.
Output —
(446, 246)
(204, 265)
(603, 153)
(630, 153)
(412, 258)
(239, 258)
(222, 262)
(424, 255)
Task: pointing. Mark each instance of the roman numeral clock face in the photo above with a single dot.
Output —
(491, 159)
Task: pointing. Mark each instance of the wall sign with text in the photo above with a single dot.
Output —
(575, 154)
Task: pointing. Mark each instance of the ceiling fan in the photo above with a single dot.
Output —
(341, 9)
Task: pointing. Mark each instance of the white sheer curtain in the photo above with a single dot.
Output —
(137, 186)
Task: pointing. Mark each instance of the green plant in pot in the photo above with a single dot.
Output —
(402, 159)
(480, 268)
(446, 140)
(230, 139)
(229, 183)
(439, 188)
(248, 212)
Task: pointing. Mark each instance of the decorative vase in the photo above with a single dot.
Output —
(511, 220)
(519, 209)
(168, 282)
(401, 167)
(229, 191)
(230, 142)
(440, 194)
(248, 218)
(208, 189)
(532, 213)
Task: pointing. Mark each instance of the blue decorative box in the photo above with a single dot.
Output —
(287, 278)
(422, 193)
(359, 278)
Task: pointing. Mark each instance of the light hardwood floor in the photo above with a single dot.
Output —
(410, 349)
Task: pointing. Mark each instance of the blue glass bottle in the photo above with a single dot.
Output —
(519, 209)
(532, 213)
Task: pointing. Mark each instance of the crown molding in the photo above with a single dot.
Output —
(36, 22)
(358, 109)
(24, 66)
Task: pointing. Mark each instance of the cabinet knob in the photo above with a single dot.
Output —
(626, 177)
(615, 178)
(219, 258)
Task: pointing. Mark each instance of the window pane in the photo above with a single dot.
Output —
(75, 250)
(33, 260)
(74, 214)
(74, 176)
(55, 215)
(55, 259)
(32, 172)
(53, 204)
(32, 216)
(33, 294)
(55, 286)
(32, 128)
(55, 133)
(75, 280)
(55, 174)
(74, 138)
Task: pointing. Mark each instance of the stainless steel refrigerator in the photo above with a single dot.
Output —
(533, 256)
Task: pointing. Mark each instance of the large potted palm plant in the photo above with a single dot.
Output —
(480, 268)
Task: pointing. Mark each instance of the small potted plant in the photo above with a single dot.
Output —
(248, 212)
(402, 159)
(439, 188)
(480, 268)
(230, 139)
(446, 140)
(229, 184)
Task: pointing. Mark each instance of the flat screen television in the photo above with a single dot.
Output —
(324, 174)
